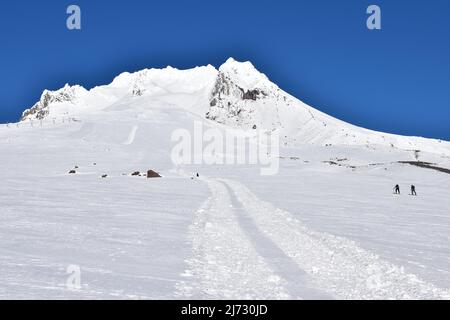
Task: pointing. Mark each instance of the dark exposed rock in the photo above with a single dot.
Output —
(136, 173)
(426, 165)
(36, 112)
(209, 116)
(72, 172)
(332, 163)
(41, 109)
(152, 174)
(104, 176)
(137, 92)
(250, 95)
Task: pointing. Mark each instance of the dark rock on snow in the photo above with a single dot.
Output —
(152, 174)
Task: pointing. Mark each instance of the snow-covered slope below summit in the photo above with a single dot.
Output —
(314, 230)
(326, 226)
(236, 95)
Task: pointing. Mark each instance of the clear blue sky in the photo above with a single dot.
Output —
(395, 80)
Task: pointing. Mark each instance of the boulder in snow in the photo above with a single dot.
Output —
(152, 174)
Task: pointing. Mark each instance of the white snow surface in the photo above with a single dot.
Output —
(326, 226)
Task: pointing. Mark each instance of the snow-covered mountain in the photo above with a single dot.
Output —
(236, 95)
(325, 226)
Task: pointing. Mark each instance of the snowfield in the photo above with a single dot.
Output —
(325, 226)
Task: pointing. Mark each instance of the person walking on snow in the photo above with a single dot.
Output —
(397, 189)
(413, 190)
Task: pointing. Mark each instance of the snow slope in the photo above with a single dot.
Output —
(326, 226)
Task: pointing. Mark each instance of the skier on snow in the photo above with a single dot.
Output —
(413, 190)
(397, 189)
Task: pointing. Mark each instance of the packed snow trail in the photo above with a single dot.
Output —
(132, 135)
(297, 282)
(338, 265)
(225, 264)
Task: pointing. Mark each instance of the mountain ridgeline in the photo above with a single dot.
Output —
(235, 95)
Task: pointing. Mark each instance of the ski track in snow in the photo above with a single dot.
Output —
(297, 282)
(132, 135)
(225, 264)
(337, 265)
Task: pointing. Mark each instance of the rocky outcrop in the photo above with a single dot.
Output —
(237, 88)
(226, 99)
(138, 85)
(251, 95)
(42, 108)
